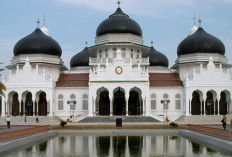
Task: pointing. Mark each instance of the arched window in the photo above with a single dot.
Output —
(177, 101)
(131, 55)
(153, 102)
(165, 97)
(73, 98)
(60, 102)
(123, 49)
(114, 49)
(85, 101)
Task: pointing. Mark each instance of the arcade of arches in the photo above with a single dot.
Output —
(211, 105)
(119, 104)
(26, 105)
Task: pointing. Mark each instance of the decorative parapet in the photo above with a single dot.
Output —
(105, 61)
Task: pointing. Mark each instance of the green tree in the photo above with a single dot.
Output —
(2, 86)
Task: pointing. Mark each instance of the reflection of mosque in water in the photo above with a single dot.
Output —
(117, 146)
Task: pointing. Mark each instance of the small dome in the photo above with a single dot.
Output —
(82, 58)
(200, 42)
(193, 30)
(119, 22)
(37, 43)
(156, 58)
(45, 31)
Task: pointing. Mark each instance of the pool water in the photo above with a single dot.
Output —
(69, 145)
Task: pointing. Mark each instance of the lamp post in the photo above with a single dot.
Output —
(165, 102)
(71, 103)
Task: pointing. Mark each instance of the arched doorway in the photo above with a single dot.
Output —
(29, 105)
(104, 103)
(209, 103)
(196, 103)
(15, 105)
(223, 104)
(119, 103)
(135, 106)
(42, 104)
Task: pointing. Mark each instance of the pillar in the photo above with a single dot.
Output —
(20, 108)
(190, 107)
(93, 108)
(218, 100)
(3, 107)
(144, 102)
(111, 106)
(127, 99)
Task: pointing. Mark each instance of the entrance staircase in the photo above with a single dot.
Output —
(111, 119)
(202, 119)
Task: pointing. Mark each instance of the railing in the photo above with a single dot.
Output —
(94, 61)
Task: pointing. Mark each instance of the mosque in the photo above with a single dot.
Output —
(118, 76)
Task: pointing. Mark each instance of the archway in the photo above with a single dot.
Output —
(209, 103)
(135, 106)
(119, 103)
(223, 104)
(42, 104)
(104, 103)
(15, 104)
(29, 104)
(196, 104)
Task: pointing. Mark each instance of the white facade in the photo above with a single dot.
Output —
(120, 82)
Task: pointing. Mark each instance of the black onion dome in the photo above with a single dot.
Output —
(82, 58)
(200, 42)
(37, 43)
(119, 22)
(156, 58)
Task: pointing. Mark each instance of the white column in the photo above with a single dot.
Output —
(218, 100)
(20, 100)
(94, 106)
(3, 107)
(111, 106)
(33, 102)
(127, 99)
(144, 103)
(203, 106)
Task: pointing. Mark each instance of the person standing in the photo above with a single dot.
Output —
(224, 121)
(8, 122)
(25, 117)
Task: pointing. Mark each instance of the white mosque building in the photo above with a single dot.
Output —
(118, 76)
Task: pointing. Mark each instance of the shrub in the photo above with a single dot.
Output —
(173, 124)
(63, 123)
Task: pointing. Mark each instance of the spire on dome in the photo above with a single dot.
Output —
(194, 28)
(38, 21)
(86, 43)
(194, 19)
(199, 22)
(119, 2)
(152, 43)
(44, 21)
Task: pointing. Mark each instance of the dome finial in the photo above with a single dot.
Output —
(119, 2)
(44, 21)
(152, 43)
(86, 43)
(200, 22)
(194, 19)
(38, 21)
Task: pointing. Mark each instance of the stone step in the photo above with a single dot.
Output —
(108, 119)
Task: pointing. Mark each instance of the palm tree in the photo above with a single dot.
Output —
(2, 86)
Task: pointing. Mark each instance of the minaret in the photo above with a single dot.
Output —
(119, 2)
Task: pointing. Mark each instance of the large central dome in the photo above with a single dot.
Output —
(119, 22)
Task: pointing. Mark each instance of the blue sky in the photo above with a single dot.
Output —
(72, 22)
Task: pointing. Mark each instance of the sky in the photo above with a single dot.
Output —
(72, 22)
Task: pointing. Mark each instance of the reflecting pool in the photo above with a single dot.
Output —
(117, 146)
